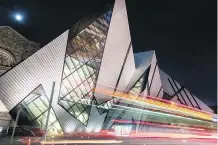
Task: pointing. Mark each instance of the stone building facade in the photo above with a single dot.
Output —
(14, 48)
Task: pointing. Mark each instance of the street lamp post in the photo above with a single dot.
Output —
(15, 124)
(49, 110)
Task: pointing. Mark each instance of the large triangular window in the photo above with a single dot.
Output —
(81, 66)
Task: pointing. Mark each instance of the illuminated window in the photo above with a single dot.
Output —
(82, 63)
(35, 108)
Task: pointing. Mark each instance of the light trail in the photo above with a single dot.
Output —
(158, 102)
(81, 141)
(171, 135)
(133, 110)
(157, 124)
(159, 113)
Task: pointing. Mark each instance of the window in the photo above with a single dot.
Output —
(36, 110)
(82, 62)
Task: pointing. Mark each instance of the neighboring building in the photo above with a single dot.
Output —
(14, 48)
(99, 83)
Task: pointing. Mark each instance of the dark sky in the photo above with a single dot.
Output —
(183, 33)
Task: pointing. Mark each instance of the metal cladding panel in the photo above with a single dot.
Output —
(184, 96)
(142, 62)
(128, 70)
(196, 102)
(2, 107)
(203, 106)
(117, 44)
(191, 99)
(181, 94)
(156, 86)
(166, 85)
(154, 80)
(68, 123)
(43, 67)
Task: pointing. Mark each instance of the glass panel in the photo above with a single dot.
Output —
(32, 108)
(39, 103)
(70, 64)
(57, 126)
(93, 64)
(136, 89)
(40, 123)
(63, 90)
(66, 70)
(76, 63)
(74, 45)
(80, 106)
(87, 85)
(67, 84)
(72, 81)
(80, 57)
(85, 116)
(90, 95)
(52, 117)
(86, 71)
(30, 98)
(71, 102)
(77, 78)
(94, 77)
(78, 92)
(43, 118)
(73, 95)
(44, 99)
(91, 70)
(85, 51)
(65, 104)
(76, 110)
(83, 89)
(36, 110)
(81, 74)
(67, 97)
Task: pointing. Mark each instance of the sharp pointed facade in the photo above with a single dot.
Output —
(99, 82)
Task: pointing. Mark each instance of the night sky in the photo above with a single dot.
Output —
(183, 33)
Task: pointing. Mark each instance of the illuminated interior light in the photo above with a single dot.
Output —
(171, 135)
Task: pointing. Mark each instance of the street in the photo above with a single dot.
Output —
(109, 141)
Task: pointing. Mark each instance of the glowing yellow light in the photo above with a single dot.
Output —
(158, 102)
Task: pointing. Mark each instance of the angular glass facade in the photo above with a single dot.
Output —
(137, 87)
(81, 66)
(133, 92)
(127, 101)
(35, 111)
